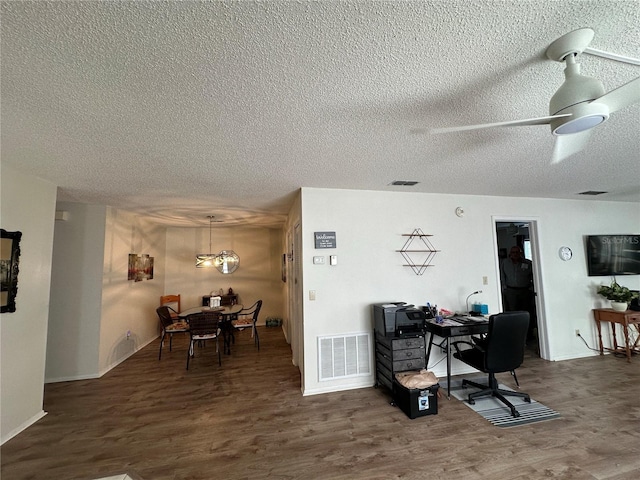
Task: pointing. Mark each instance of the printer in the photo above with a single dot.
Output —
(397, 319)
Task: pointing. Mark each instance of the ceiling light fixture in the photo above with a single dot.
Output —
(576, 96)
(205, 260)
(227, 261)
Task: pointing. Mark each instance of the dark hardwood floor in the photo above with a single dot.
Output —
(248, 420)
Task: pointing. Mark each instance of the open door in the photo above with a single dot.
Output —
(513, 235)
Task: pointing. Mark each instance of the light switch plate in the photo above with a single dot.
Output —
(318, 260)
(333, 259)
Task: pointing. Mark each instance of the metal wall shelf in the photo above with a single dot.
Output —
(418, 235)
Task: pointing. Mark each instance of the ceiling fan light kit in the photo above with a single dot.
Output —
(584, 117)
(572, 43)
(580, 103)
(575, 96)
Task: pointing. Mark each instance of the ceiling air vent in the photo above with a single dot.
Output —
(404, 183)
(592, 192)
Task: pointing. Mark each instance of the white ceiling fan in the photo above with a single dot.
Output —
(580, 103)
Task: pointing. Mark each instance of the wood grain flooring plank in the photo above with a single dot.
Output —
(248, 420)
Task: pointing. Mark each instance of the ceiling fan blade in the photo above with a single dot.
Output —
(622, 96)
(512, 123)
(567, 145)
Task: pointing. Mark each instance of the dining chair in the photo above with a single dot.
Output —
(202, 327)
(247, 318)
(173, 302)
(169, 326)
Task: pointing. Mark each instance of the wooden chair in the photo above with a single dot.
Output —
(173, 302)
(204, 326)
(247, 318)
(169, 327)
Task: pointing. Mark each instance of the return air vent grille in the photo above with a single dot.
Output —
(344, 356)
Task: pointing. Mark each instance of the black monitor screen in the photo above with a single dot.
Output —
(613, 255)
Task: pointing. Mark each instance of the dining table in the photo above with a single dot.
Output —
(227, 315)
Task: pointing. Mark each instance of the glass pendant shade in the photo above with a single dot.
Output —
(227, 261)
(205, 260)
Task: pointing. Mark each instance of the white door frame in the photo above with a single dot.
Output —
(543, 339)
(297, 331)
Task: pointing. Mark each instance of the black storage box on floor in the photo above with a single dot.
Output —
(416, 402)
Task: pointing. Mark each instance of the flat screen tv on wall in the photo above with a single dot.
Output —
(613, 255)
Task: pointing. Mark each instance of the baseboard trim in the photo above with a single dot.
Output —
(120, 360)
(335, 388)
(71, 378)
(93, 376)
(23, 426)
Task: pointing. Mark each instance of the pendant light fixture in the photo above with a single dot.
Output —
(227, 261)
(205, 260)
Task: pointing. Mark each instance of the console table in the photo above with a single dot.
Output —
(626, 318)
(225, 300)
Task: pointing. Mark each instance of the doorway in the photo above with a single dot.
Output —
(521, 234)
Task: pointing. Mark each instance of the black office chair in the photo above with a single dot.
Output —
(503, 351)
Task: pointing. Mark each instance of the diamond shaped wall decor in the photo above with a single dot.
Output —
(418, 251)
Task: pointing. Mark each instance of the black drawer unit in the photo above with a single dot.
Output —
(398, 354)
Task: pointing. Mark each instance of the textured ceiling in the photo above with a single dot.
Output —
(179, 110)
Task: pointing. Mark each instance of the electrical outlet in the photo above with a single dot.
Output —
(577, 332)
(485, 281)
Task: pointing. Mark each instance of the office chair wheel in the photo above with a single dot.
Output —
(471, 401)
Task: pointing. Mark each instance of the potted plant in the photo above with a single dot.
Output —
(618, 295)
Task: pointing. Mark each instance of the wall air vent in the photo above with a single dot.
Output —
(592, 192)
(344, 356)
(404, 183)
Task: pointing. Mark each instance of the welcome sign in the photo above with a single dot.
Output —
(325, 239)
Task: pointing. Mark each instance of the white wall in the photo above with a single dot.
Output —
(93, 304)
(129, 306)
(28, 206)
(76, 293)
(258, 277)
(369, 227)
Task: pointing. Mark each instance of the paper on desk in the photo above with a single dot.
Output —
(450, 322)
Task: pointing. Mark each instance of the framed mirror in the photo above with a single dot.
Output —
(9, 256)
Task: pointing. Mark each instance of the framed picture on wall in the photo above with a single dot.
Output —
(284, 267)
(9, 258)
(133, 266)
